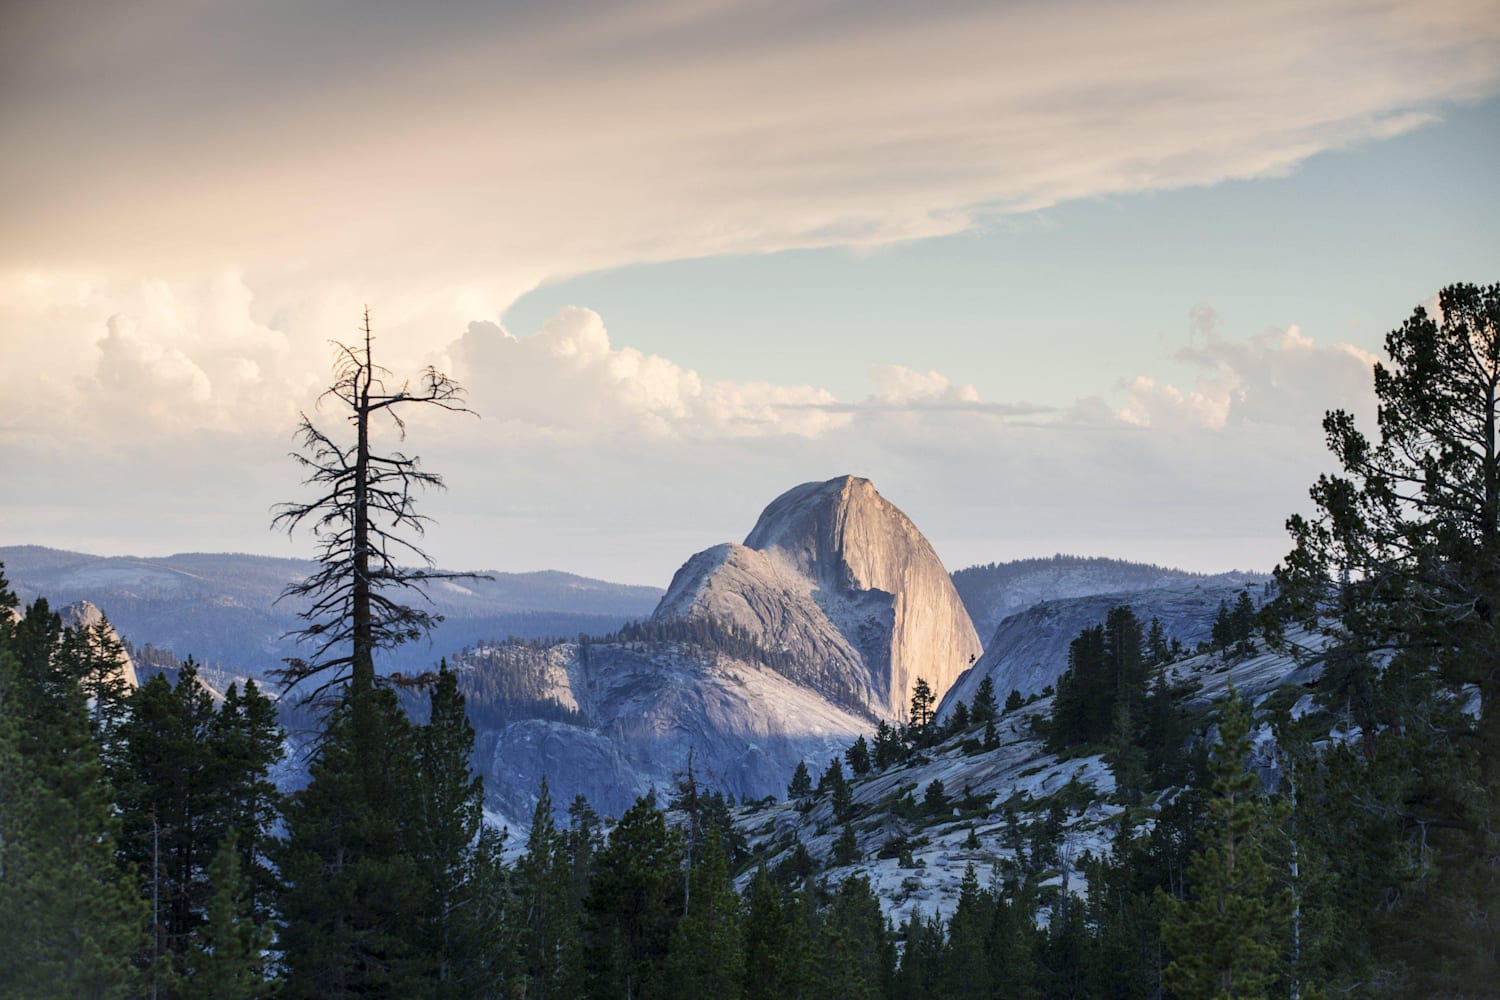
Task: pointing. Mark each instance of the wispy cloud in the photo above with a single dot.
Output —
(500, 145)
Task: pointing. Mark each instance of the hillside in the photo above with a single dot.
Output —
(1000, 798)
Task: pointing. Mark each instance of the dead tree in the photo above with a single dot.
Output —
(364, 520)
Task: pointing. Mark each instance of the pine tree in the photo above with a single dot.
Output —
(888, 747)
(966, 972)
(707, 954)
(1014, 701)
(858, 956)
(858, 756)
(958, 722)
(1242, 623)
(249, 744)
(635, 900)
(935, 798)
(353, 895)
(801, 785)
(543, 917)
(923, 705)
(367, 503)
(70, 913)
(227, 958)
(766, 941)
(983, 709)
(1227, 938)
(448, 800)
(845, 848)
(174, 811)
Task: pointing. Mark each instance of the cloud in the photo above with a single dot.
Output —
(600, 458)
(569, 379)
(488, 147)
(1278, 378)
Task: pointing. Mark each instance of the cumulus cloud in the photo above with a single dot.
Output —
(600, 458)
(568, 377)
(1279, 378)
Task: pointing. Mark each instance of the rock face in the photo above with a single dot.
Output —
(1029, 651)
(834, 576)
(611, 721)
(84, 615)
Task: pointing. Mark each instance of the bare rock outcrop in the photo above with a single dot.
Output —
(82, 615)
(839, 582)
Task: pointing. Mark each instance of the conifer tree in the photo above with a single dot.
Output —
(353, 894)
(249, 744)
(174, 811)
(983, 709)
(923, 705)
(858, 956)
(765, 938)
(707, 954)
(448, 801)
(70, 912)
(959, 720)
(801, 785)
(1227, 938)
(858, 756)
(366, 504)
(966, 972)
(227, 958)
(1397, 566)
(544, 918)
(635, 900)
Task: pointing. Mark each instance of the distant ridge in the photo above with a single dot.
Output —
(993, 592)
(221, 608)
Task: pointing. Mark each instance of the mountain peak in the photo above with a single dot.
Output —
(839, 577)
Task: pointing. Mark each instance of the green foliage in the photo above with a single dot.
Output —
(1106, 669)
(983, 709)
(858, 756)
(635, 900)
(71, 915)
(707, 953)
(1014, 701)
(889, 748)
(923, 707)
(845, 848)
(1227, 938)
(1397, 568)
(801, 785)
(352, 890)
(959, 720)
(935, 797)
(227, 959)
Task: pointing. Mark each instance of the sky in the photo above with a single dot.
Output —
(1073, 276)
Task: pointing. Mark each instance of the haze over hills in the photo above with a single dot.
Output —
(221, 608)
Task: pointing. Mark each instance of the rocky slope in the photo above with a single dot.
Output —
(1029, 650)
(840, 580)
(994, 592)
(611, 721)
(1020, 774)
